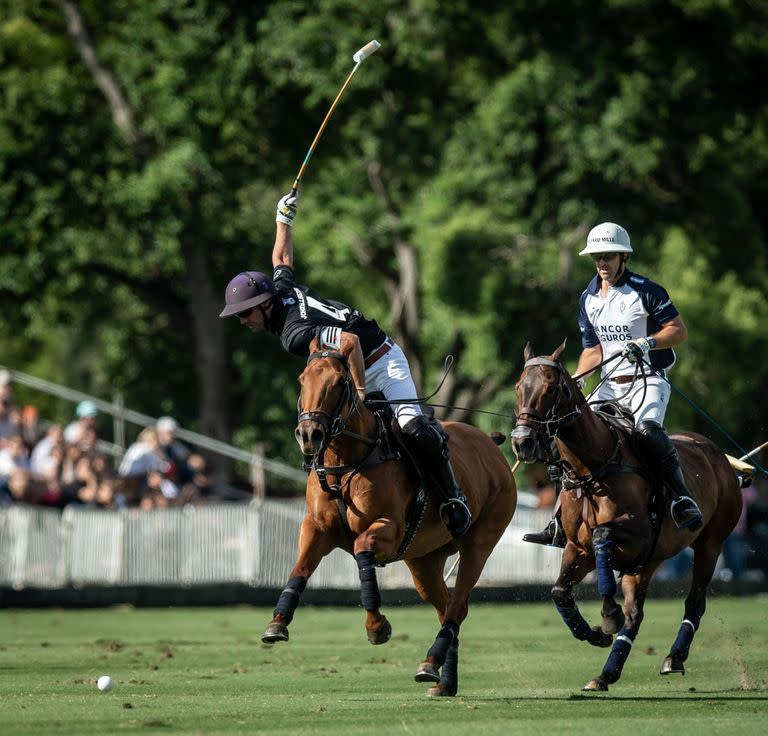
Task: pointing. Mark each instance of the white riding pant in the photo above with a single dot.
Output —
(391, 375)
(647, 400)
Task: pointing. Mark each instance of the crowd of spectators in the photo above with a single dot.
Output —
(53, 465)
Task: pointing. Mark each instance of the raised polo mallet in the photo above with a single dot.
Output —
(358, 57)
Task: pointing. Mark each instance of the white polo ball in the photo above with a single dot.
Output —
(105, 683)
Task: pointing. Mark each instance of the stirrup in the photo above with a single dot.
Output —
(553, 535)
(688, 516)
(456, 516)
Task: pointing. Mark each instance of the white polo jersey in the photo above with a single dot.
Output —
(634, 307)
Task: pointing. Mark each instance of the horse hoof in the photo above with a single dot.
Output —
(672, 666)
(275, 633)
(382, 634)
(595, 686)
(613, 622)
(440, 691)
(427, 672)
(600, 638)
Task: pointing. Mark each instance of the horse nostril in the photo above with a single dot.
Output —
(317, 437)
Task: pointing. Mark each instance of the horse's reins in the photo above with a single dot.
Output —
(544, 428)
(709, 418)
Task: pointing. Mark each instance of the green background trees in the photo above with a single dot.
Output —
(143, 146)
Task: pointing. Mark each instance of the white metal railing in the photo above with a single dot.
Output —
(254, 544)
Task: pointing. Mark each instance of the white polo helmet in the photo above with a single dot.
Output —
(607, 237)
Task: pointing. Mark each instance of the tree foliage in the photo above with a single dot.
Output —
(448, 198)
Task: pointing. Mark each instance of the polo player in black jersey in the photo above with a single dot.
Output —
(297, 315)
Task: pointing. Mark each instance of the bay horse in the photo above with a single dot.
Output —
(609, 516)
(359, 493)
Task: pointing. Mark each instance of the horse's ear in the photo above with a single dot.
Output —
(558, 353)
(528, 351)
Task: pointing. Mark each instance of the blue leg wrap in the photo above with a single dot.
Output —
(684, 637)
(289, 598)
(449, 631)
(606, 580)
(369, 588)
(620, 650)
(574, 621)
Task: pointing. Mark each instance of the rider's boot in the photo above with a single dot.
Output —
(430, 444)
(685, 511)
(553, 534)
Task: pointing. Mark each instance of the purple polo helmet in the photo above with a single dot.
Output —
(248, 289)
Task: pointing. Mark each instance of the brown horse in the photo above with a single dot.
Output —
(608, 513)
(358, 498)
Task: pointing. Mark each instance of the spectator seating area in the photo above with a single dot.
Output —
(47, 464)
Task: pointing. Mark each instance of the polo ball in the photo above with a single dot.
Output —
(105, 683)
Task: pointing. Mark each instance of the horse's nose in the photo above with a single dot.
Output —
(310, 436)
(524, 443)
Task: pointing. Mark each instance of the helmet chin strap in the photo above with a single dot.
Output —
(265, 315)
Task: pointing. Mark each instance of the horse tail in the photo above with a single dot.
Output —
(498, 438)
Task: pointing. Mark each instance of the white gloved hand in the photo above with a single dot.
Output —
(636, 349)
(286, 208)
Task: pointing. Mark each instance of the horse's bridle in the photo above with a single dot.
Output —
(379, 450)
(333, 424)
(547, 427)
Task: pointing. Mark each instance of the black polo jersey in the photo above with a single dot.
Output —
(300, 314)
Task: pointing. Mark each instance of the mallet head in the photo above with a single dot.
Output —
(370, 48)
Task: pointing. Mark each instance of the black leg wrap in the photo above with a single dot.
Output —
(369, 588)
(449, 631)
(289, 598)
(449, 673)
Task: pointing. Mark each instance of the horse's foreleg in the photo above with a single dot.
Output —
(574, 566)
(634, 588)
(314, 544)
(603, 544)
(704, 562)
(377, 627)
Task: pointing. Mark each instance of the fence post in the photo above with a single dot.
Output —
(258, 474)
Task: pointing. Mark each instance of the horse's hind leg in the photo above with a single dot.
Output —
(704, 562)
(314, 544)
(441, 664)
(427, 575)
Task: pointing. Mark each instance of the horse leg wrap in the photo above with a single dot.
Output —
(620, 650)
(369, 588)
(603, 546)
(449, 632)
(289, 598)
(449, 673)
(684, 638)
(574, 620)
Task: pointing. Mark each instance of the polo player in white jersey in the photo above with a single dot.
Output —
(623, 313)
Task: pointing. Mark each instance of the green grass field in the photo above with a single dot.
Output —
(204, 671)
